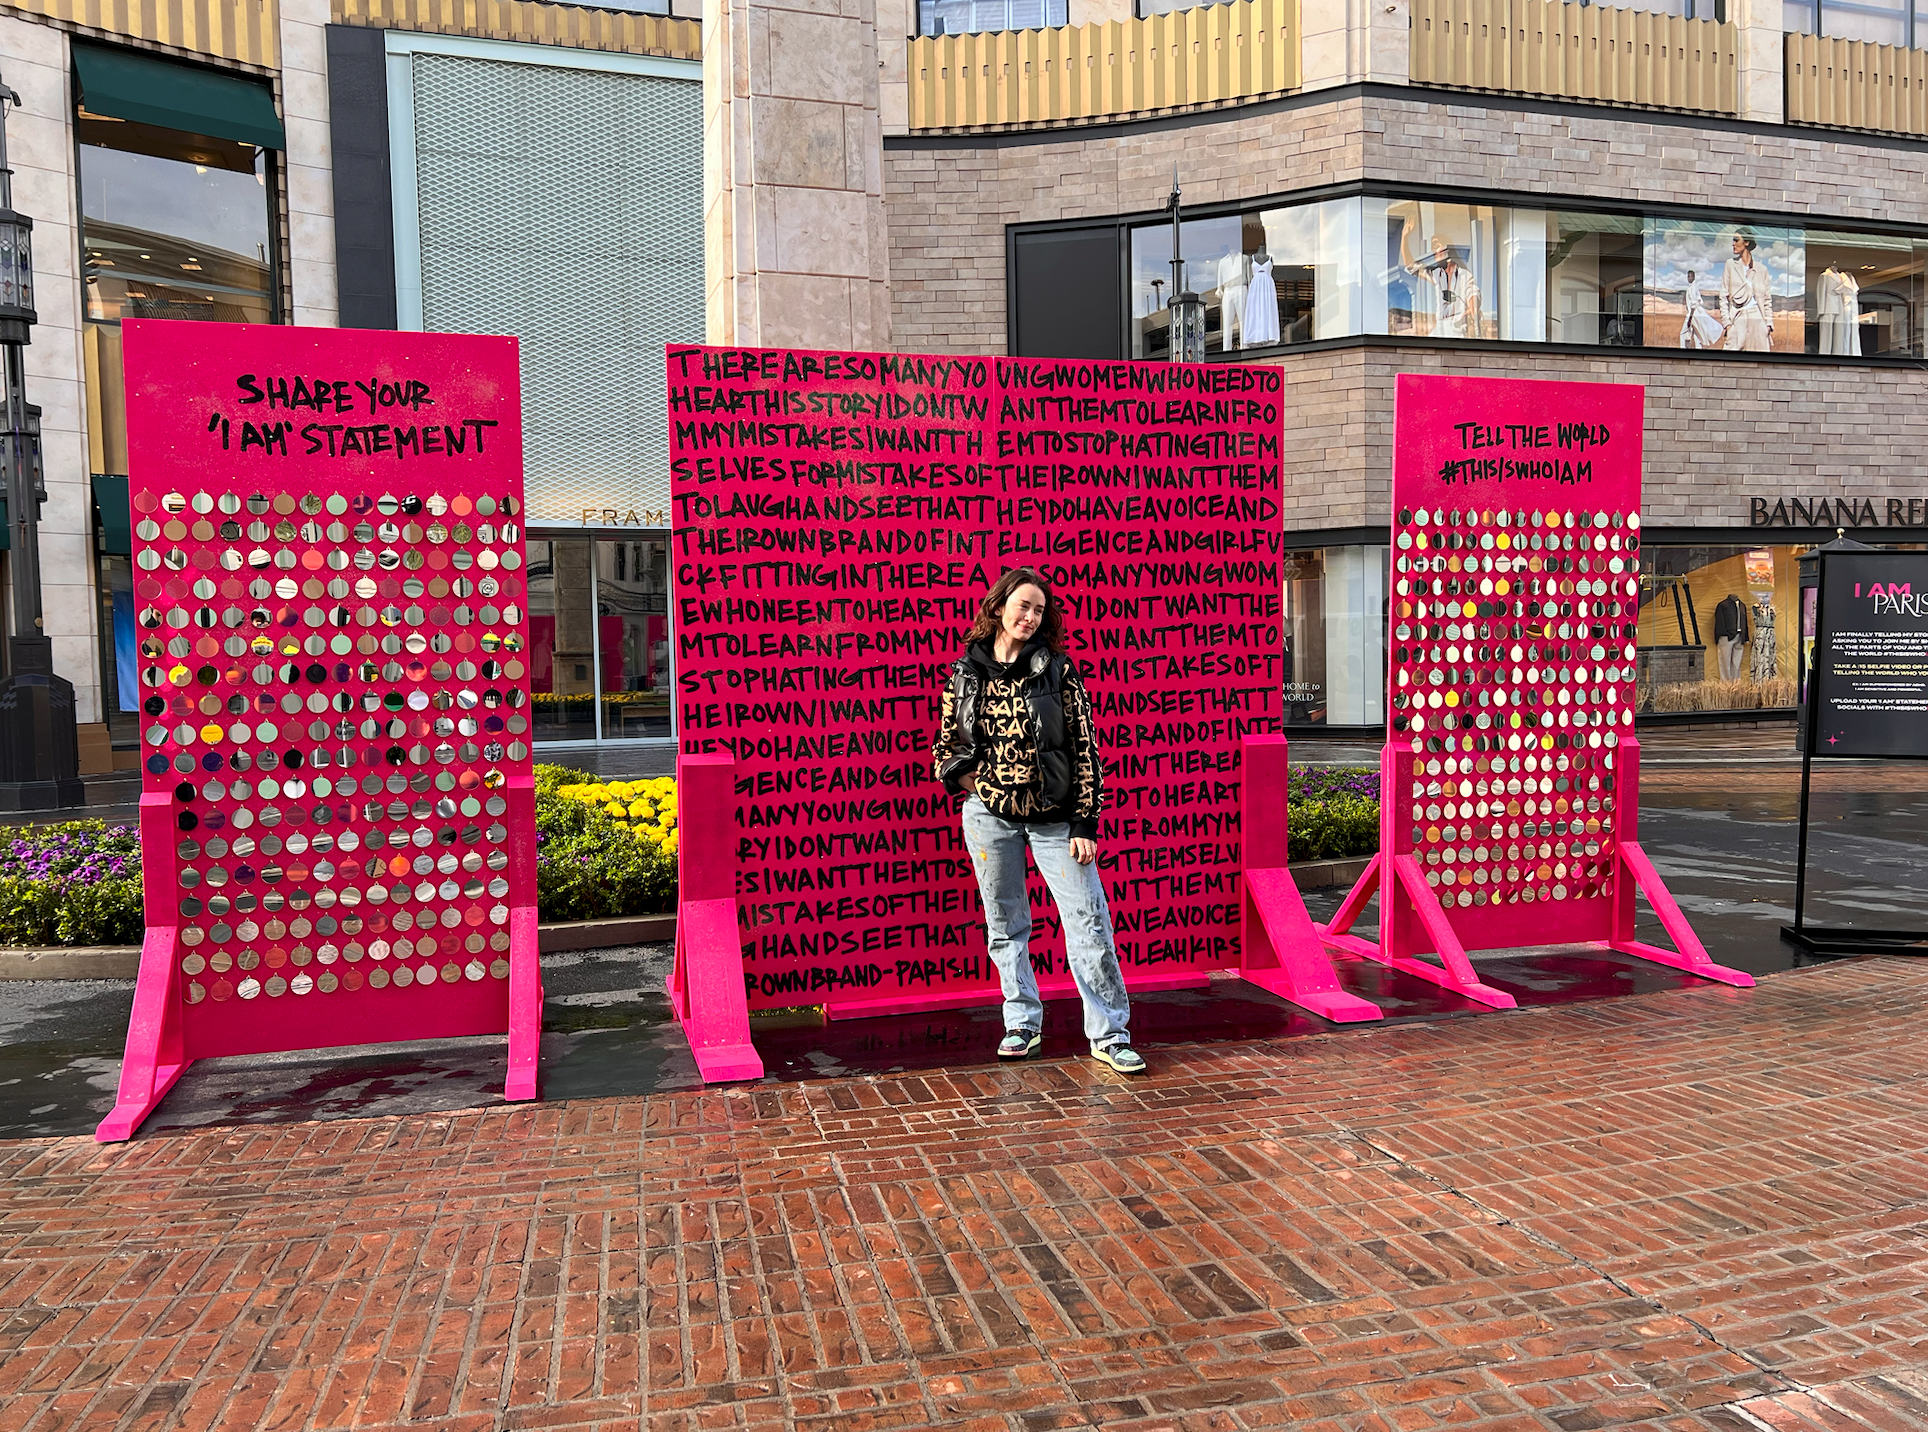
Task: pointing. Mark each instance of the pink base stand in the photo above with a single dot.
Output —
(1412, 922)
(1280, 950)
(154, 1060)
(706, 991)
(162, 1040)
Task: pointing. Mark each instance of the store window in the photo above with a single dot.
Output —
(1275, 276)
(176, 180)
(966, 17)
(1335, 636)
(1879, 22)
(1864, 294)
(632, 634)
(599, 646)
(175, 190)
(1717, 628)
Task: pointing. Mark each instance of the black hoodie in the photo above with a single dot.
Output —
(1002, 746)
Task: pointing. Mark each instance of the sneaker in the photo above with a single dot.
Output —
(1121, 1057)
(1019, 1044)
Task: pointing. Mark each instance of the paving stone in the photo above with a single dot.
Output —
(1702, 1208)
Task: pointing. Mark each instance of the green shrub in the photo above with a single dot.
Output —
(590, 867)
(1334, 828)
(72, 883)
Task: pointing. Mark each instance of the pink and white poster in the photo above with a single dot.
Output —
(1516, 538)
(337, 824)
(837, 520)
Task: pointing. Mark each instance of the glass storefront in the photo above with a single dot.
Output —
(1335, 636)
(1716, 632)
(1278, 275)
(599, 642)
(1717, 628)
(172, 225)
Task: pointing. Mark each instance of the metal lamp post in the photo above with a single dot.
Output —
(39, 750)
(1187, 308)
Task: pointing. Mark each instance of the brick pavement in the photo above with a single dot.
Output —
(1700, 1209)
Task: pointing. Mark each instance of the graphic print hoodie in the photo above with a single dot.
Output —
(1003, 736)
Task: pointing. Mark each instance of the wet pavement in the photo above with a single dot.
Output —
(1718, 820)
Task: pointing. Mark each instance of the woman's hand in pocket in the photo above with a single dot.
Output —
(969, 782)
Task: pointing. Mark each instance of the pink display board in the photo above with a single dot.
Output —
(837, 520)
(1508, 815)
(337, 820)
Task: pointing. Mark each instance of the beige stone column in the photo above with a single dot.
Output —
(896, 25)
(1349, 41)
(310, 162)
(1761, 84)
(793, 174)
(35, 62)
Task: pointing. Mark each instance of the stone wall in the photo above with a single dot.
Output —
(1718, 430)
(948, 206)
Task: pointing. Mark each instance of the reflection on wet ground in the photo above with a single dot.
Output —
(1722, 833)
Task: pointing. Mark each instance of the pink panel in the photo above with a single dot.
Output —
(838, 518)
(1516, 517)
(329, 587)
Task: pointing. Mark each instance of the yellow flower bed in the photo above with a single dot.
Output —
(646, 807)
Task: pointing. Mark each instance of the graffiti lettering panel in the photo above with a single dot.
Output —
(838, 518)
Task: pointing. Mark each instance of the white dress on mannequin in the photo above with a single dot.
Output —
(1261, 307)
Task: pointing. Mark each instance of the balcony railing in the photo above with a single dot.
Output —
(1207, 56)
(1581, 52)
(1850, 84)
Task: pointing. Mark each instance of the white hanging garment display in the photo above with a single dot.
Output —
(1261, 306)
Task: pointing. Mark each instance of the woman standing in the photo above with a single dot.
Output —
(1017, 744)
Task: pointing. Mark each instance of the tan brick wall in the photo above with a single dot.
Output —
(1718, 430)
(948, 208)
(1807, 430)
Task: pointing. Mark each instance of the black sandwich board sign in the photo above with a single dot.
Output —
(1867, 696)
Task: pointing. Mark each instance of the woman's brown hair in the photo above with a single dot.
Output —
(990, 613)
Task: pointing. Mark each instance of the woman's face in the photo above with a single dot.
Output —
(1023, 612)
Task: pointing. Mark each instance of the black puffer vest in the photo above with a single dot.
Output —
(1043, 695)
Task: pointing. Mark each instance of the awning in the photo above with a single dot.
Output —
(122, 84)
(110, 500)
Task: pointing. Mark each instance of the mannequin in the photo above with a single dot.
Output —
(1231, 301)
(1261, 304)
(1848, 335)
(1765, 657)
(1837, 306)
(1730, 636)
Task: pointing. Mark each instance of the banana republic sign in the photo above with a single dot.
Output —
(1837, 512)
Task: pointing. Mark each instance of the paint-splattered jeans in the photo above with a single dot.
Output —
(997, 854)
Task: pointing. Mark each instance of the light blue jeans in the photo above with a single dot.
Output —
(997, 854)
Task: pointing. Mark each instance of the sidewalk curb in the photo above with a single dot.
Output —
(122, 962)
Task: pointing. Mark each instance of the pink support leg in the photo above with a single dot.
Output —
(1406, 898)
(525, 1005)
(1633, 871)
(1280, 949)
(706, 983)
(154, 1060)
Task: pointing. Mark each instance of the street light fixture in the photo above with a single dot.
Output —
(39, 748)
(1187, 308)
